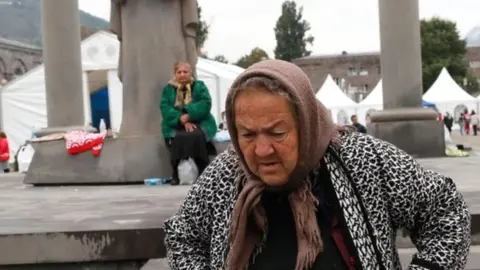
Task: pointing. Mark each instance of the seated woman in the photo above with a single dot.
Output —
(297, 192)
(187, 123)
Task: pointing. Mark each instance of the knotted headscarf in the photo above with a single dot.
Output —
(316, 130)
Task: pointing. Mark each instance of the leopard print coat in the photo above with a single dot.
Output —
(380, 189)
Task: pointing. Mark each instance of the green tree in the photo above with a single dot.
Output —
(291, 33)
(202, 29)
(221, 58)
(256, 55)
(443, 47)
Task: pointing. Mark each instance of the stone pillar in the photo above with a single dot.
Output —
(401, 58)
(62, 59)
(403, 121)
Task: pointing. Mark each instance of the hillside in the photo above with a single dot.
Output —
(20, 20)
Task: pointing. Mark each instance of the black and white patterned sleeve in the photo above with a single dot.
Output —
(188, 232)
(429, 206)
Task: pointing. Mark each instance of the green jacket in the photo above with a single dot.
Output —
(198, 109)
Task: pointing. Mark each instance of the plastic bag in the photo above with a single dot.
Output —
(187, 172)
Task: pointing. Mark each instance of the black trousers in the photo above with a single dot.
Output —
(475, 130)
(186, 145)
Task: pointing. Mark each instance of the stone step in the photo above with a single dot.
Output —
(405, 258)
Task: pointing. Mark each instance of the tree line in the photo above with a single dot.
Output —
(441, 46)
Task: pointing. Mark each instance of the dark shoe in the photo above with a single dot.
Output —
(174, 181)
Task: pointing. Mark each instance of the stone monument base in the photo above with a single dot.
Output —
(416, 131)
(123, 160)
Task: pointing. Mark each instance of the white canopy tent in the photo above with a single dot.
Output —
(478, 104)
(340, 105)
(448, 96)
(373, 102)
(23, 100)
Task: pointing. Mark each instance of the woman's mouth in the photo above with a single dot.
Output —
(267, 167)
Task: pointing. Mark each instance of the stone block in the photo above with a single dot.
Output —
(419, 138)
(122, 160)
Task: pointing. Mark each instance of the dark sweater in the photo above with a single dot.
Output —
(360, 128)
(280, 250)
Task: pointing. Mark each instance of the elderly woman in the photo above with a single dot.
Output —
(295, 192)
(187, 122)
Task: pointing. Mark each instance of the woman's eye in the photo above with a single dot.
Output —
(278, 134)
(247, 135)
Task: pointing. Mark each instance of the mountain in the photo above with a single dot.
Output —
(20, 20)
(473, 37)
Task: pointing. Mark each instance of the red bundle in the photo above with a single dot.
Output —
(79, 141)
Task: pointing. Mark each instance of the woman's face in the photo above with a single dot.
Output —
(267, 134)
(183, 73)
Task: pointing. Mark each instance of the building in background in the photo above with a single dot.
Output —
(358, 73)
(16, 58)
(473, 58)
(355, 73)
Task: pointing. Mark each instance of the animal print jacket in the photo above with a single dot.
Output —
(380, 189)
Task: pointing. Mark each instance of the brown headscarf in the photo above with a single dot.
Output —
(316, 130)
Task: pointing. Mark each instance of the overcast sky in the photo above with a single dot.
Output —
(237, 26)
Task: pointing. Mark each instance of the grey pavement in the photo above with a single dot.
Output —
(469, 140)
(26, 208)
(48, 209)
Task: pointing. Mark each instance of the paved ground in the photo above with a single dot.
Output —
(40, 209)
(27, 208)
(473, 141)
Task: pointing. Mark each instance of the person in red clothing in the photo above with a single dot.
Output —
(4, 152)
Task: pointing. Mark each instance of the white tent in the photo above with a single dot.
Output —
(23, 100)
(448, 96)
(340, 105)
(373, 102)
(478, 104)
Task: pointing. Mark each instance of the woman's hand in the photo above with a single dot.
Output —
(189, 127)
(184, 118)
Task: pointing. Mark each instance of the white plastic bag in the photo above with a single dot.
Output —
(187, 172)
(24, 157)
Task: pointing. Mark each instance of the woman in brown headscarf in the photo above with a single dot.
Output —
(296, 192)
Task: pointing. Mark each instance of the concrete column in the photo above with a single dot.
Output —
(401, 59)
(62, 59)
(404, 122)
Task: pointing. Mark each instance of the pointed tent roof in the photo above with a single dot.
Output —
(446, 90)
(375, 97)
(332, 96)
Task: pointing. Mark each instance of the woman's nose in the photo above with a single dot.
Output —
(263, 148)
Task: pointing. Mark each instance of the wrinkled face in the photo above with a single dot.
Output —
(183, 73)
(267, 134)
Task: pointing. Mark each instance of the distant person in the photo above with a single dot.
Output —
(187, 123)
(475, 120)
(368, 119)
(466, 117)
(448, 121)
(461, 123)
(360, 128)
(4, 153)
